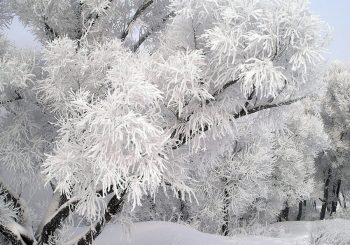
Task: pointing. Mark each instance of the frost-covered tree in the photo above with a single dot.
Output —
(334, 167)
(246, 121)
(131, 99)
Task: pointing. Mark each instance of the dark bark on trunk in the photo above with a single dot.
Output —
(325, 195)
(15, 239)
(5, 231)
(184, 215)
(225, 228)
(10, 236)
(284, 215)
(114, 206)
(300, 210)
(336, 191)
(57, 221)
(344, 200)
(9, 197)
(305, 203)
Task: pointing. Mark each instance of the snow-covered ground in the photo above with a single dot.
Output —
(286, 233)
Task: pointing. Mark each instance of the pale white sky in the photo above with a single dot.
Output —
(335, 12)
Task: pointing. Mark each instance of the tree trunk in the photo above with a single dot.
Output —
(284, 215)
(325, 195)
(300, 210)
(224, 228)
(336, 190)
(344, 200)
(184, 214)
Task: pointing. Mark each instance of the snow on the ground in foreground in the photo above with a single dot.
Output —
(164, 233)
(157, 233)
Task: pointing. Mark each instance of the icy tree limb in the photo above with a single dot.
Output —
(58, 210)
(12, 236)
(137, 14)
(146, 35)
(16, 233)
(11, 197)
(114, 206)
(244, 112)
(56, 220)
(90, 21)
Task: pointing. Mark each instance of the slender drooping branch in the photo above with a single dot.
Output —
(138, 13)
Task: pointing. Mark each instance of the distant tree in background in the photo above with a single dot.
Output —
(334, 169)
(215, 101)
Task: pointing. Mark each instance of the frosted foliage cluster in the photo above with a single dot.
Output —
(16, 68)
(296, 150)
(20, 141)
(336, 118)
(249, 49)
(88, 19)
(97, 6)
(238, 183)
(110, 142)
(5, 13)
(336, 104)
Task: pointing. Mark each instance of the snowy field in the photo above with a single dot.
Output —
(286, 233)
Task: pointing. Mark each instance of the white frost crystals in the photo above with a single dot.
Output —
(111, 142)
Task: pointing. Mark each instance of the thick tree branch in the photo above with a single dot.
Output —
(16, 234)
(56, 221)
(10, 197)
(14, 238)
(65, 207)
(137, 14)
(114, 206)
